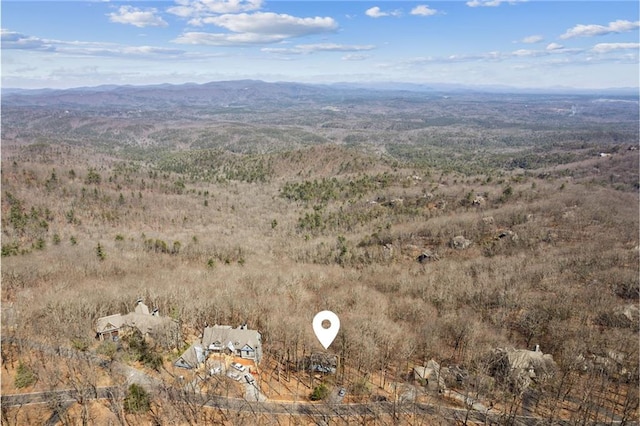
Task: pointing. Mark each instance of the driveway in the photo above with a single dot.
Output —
(252, 391)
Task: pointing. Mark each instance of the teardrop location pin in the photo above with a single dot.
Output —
(326, 335)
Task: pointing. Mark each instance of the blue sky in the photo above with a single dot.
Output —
(532, 44)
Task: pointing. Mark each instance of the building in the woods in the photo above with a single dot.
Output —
(149, 323)
(223, 339)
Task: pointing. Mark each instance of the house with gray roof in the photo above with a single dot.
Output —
(192, 357)
(149, 323)
(241, 341)
(108, 327)
(223, 339)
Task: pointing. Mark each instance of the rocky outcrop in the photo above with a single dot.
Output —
(459, 242)
(520, 367)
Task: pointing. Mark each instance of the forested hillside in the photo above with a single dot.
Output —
(438, 226)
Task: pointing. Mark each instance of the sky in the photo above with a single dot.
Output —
(523, 44)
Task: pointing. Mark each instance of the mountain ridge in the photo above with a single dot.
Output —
(317, 88)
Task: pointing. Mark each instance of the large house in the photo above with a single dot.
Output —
(149, 323)
(240, 342)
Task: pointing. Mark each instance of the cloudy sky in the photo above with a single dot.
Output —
(537, 43)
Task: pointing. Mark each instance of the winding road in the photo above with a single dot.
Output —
(322, 411)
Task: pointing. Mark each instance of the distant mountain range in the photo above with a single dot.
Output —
(252, 93)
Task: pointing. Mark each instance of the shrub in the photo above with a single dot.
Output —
(137, 400)
(25, 376)
(176, 247)
(71, 216)
(100, 252)
(108, 349)
(80, 344)
(39, 244)
(93, 177)
(360, 387)
(11, 249)
(142, 352)
(506, 193)
(628, 289)
(320, 392)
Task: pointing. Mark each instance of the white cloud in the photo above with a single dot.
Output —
(15, 40)
(423, 10)
(531, 56)
(282, 50)
(273, 24)
(333, 47)
(257, 28)
(608, 47)
(543, 63)
(199, 8)
(619, 26)
(527, 52)
(532, 39)
(137, 52)
(554, 46)
(134, 16)
(491, 3)
(219, 39)
(149, 50)
(355, 57)
(318, 47)
(376, 12)
(18, 41)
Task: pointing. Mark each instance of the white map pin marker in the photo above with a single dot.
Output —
(326, 335)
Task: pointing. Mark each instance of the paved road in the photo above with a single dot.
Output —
(60, 396)
(314, 410)
(237, 404)
(321, 410)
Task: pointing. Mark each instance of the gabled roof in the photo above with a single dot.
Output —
(146, 323)
(109, 323)
(141, 308)
(140, 318)
(189, 359)
(239, 337)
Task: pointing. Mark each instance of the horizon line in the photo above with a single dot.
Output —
(443, 85)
